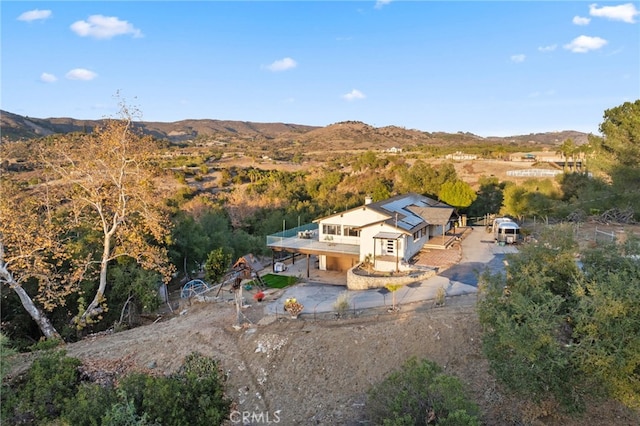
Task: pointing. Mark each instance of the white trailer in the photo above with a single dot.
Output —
(506, 231)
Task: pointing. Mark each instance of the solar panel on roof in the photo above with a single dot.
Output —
(395, 206)
(412, 219)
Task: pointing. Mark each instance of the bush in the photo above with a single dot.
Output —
(51, 392)
(88, 406)
(41, 396)
(6, 352)
(420, 393)
(123, 413)
(342, 303)
(199, 386)
(528, 316)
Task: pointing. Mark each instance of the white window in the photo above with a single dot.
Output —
(328, 229)
(351, 231)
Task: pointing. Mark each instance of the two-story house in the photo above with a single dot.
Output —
(388, 233)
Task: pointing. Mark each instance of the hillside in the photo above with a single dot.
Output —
(347, 135)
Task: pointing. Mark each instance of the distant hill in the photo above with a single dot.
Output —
(338, 136)
(15, 126)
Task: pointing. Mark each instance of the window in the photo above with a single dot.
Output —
(351, 231)
(331, 229)
(391, 246)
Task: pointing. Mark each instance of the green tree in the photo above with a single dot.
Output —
(420, 393)
(617, 154)
(620, 143)
(607, 319)
(568, 150)
(189, 243)
(218, 262)
(424, 179)
(133, 291)
(458, 194)
(515, 201)
(489, 198)
(393, 288)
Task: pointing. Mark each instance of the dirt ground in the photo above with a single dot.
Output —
(304, 372)
(317, 371)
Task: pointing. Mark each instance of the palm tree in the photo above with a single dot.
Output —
(567, 149)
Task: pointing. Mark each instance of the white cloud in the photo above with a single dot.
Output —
(81, 74)
(622, 12)
(549, 48)
(282, 65)
(518, 58)
(104, 27)
(48, 78)
(583, 44)
(580, 20)
(353, 95)
(34, 15)
(381, 3)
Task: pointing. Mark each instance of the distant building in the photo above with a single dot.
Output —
(461, 156)
(394, 150)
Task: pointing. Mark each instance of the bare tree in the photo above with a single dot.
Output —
(110, 184)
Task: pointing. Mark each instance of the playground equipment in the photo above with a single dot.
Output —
(194, 288)
(246, 268)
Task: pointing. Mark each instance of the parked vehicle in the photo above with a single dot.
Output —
(505, 230)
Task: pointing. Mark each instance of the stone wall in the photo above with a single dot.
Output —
(364, 282)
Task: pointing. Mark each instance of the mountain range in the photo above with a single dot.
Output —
(351, 134)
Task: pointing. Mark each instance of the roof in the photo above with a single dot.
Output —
(388, 235)
(408, 212)
(249, 261)
(433, 215)
(413, 211)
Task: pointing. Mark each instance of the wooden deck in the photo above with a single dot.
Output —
(445, 241)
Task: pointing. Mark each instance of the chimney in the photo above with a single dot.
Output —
(368, 200)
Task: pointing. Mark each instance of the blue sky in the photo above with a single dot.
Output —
(485, 67)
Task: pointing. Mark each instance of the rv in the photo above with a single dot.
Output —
(505, 231)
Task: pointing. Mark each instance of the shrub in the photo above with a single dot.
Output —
(51, 393)
(441, 296)
(123, 413)
(199, 385)
(89, 405)
(342, 303)
(420, 393)
(6, 352)
(51, 380)
(527, 318)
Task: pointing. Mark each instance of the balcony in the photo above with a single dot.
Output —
(304, 239)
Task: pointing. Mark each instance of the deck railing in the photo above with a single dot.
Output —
(306, 229)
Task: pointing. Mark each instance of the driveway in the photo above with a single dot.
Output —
(478, 252)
